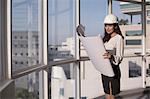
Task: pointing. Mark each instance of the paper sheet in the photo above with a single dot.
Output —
(95, 49)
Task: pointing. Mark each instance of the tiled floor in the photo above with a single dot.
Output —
(132, 94)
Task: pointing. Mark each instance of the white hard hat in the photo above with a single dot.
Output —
(110, 19)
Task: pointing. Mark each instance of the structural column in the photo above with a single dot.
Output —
(43, 74)
(77, 53)
(109, 6)
(5, 40)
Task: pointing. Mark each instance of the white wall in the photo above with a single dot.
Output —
(126, 82)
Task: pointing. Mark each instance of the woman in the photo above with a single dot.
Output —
(113, 41)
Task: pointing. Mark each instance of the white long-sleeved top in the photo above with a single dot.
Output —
(116, 47)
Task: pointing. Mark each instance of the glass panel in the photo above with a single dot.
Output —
(92, 16)
(61, 42)
(26, 33)
(133, 42)
(148, 70)
(134, 33)
(148, 21)
(148, 12)
(131, 72)
(61, 22)
(148, 15)
(62, 82)
(27, 87)
(130, 6)
(134, 69)
(148, 66)
(131, 66)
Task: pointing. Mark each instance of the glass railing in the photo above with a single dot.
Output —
(63, 81)
(27, 87)
(90, 79)
(26, 32)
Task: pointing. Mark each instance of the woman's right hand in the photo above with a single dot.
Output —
(107, 55)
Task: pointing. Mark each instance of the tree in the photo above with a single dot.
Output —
(123, 22)
(22, 93)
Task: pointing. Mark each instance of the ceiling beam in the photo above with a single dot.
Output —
(131, 1)
(134, 1)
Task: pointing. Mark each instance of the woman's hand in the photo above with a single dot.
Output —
(107, 55)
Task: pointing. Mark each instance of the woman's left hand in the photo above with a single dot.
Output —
(107, 55)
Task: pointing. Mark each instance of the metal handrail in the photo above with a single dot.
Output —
(28, 70)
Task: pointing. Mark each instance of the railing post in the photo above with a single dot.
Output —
(77, 52)
(144, 42)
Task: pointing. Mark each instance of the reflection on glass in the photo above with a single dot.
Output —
(62, 81)
(26, 33)
(61, 34)
(134, 69)
(134, 33)
(27, 87)
(148, 71)
(129, 6)
(133, 42)
(92, 13)
(61, 39)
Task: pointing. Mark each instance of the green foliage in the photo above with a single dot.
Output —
(22, 93)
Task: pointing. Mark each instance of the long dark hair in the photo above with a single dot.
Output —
(107, 36)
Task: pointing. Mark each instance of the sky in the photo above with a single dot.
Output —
(61, 16)
(93, 13)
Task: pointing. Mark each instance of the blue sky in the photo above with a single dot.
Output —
(62, 16)
(93, 13)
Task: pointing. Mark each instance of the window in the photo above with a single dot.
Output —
(134, 69)
(148, 21)
(16, 62)
(61, 30)
(15, 54)
(21, 62)
(21, 37)
(21, 54)
(15, 45)
(21, 45)
(26, 25)
(148, 12)
(134, 33)
(131, 6)
(133, 42)
(15, 37)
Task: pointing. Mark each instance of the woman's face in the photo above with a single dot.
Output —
(109, 28)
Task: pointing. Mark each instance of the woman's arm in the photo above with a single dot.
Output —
(116, 59)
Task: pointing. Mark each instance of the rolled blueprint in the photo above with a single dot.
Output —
(95, 49)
